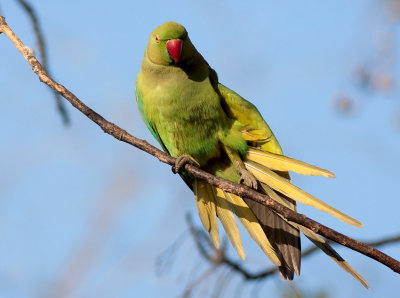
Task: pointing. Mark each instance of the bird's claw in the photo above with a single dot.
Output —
(248, 179)
(181, 161)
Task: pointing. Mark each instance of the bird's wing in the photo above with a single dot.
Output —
(264, 158)
(285, 239)
(265, 153)
(254, 126)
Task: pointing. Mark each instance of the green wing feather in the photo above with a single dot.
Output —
(248, 115)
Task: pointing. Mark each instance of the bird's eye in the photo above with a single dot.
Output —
(157, 39)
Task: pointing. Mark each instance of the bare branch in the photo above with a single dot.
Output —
(375, 243)
(238, 189)
(43, 57)
(248, 275)
(209, 252)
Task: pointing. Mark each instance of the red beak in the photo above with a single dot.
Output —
(174, 47)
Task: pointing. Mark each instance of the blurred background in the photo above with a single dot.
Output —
(83, 215)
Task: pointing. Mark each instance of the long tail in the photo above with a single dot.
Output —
(278, 238)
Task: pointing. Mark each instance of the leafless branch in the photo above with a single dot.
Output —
(209, 252)
(240, 190)
(375, 243)
(43, 56)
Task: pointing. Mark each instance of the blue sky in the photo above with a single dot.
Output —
(83, 215)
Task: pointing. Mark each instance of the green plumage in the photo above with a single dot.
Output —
(192, 115)
(182, 106)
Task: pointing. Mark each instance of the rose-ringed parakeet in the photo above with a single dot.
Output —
(200, 121)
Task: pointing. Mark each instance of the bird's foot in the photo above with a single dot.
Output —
(181, 161)
(247, 178)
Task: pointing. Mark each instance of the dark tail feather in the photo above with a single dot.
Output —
(284, 238)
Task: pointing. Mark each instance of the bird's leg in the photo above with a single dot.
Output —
(181, 161)
(245, 176)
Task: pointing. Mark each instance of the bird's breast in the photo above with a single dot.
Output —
(188, 119)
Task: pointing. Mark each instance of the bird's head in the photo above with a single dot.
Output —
(169, 44)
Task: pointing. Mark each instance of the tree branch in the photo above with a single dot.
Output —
(238, 189)
(263, 274)
(218, 256)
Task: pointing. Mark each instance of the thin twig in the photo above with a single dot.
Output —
(218, 256)
(238, 189)
(43, 56)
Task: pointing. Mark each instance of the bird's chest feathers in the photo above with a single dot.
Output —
(187, 115)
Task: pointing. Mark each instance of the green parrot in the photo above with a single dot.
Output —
(199, 121)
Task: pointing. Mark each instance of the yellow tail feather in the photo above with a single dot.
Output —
(282, 163)
(280, 184)
(228, 221)
(206, 206)
(328, 250)
(251, 224)
(317, 240)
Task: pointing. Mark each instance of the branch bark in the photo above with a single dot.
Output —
(219, 257)
(263, 274)
(238, 189)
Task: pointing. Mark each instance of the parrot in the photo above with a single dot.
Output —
(199, 121)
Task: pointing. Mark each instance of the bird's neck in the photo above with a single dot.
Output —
(195, 68)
